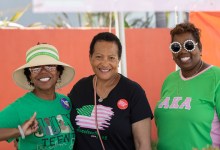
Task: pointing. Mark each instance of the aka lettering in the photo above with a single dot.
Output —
(176, 103)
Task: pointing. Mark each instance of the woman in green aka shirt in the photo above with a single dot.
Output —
(187, 115)
(48, 126)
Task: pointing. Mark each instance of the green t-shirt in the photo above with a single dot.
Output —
(55, 130)
(187, 114)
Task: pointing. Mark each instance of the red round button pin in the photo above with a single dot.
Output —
(122, 104)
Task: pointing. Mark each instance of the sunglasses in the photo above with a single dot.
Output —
(188, 45)
(37, 69)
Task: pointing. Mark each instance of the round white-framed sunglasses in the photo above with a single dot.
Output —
(188, 45)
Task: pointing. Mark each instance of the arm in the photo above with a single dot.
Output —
(7, 133)
(141, 132)
(28, 128)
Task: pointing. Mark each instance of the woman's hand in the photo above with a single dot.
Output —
(30, 126)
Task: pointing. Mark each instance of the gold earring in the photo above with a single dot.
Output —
(58, 83)
(58, 80)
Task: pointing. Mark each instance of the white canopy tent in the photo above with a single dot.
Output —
(120, 6)
(124, 5)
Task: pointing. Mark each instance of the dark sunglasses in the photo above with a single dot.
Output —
(188, 45)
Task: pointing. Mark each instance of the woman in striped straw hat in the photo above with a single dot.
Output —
(47, 112)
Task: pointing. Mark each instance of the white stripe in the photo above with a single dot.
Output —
(50, 129)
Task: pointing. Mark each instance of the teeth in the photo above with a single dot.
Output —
(44, 79)
(185, 59)
(104, 70)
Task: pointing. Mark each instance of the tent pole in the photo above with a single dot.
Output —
(120, 32)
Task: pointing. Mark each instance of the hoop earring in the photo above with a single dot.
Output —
(58, 80)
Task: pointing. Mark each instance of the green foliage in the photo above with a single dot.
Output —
(138, 22)
(62, 21)
(19, 14)
(104, 19)
(12, 21)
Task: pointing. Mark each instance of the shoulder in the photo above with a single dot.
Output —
(82, 85)
(129, 83)
(212, 72)
(84, 80)
(215, 69)
(62, 95)
(23, 98)
(173, 75)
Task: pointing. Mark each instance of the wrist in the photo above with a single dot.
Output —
(21, 132)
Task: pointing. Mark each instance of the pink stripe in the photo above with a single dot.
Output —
(80, 117)
(103, 116)
(89, 120)
(103, 111)
(215, 134)
(99, 116)
(91, 127)
(90, 124)
(104, 107)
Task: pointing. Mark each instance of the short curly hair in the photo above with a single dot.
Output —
(187, 27)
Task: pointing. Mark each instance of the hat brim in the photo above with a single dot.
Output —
(21, 80)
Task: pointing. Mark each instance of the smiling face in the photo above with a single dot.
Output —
(186, 60)
(44, 78)
(105, 60)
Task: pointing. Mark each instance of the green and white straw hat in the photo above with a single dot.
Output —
(42, 54)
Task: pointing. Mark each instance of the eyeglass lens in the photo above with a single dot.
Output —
(175, 47)
(37, 69)
(189, 45)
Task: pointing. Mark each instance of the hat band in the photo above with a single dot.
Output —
(42, 52)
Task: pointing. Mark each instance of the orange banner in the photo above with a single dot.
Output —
(209, 23)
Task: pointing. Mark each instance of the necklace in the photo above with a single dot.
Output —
(100, 99)
(182, 84)
(200, 67)
(112, 84)
(197, 71)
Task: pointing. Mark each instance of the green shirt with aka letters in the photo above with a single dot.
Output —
(187, 115)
